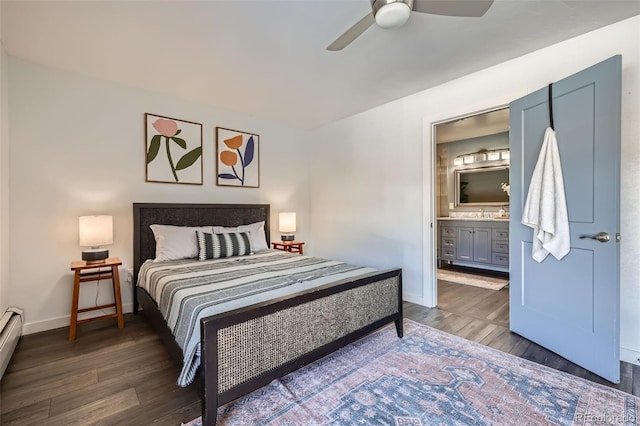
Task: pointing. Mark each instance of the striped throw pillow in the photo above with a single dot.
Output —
(216, 246)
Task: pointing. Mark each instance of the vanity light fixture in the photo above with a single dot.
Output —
(481, 157)
(493, 155)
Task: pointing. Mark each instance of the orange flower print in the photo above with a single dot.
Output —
(236, 158)
(229, 158)
(234, 143)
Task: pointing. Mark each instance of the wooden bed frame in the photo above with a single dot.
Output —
(245, 349)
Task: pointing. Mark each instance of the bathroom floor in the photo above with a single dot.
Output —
(492, 280)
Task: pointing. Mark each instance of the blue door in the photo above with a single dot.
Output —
(572, 306)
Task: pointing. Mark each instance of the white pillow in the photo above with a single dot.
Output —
(176, 242)
(255, 230)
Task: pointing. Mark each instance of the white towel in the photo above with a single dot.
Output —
(546, 207)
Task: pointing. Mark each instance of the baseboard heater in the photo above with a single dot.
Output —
(10, 332)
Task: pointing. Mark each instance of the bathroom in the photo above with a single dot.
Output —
(472, 184)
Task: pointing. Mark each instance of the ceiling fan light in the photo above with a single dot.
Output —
(393, 15)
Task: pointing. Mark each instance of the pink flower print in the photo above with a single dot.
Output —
(166, 128)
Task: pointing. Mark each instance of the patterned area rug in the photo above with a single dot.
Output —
(428, 378)
(493, 283)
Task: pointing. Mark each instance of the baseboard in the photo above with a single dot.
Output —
(414, 298)
(630, 356)
(58, 322)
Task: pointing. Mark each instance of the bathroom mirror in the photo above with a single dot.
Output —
(481, 186)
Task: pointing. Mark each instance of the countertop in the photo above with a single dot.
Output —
(477, 219)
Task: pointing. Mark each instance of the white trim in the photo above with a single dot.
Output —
(59, 322)
(414, 298)
(629, 355)
(429, 250)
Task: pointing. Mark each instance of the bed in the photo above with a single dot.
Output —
(245, 348)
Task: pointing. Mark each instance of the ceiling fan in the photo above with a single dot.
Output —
(394, 13)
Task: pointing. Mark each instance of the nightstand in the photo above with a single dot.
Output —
(290, 246)
(94, 274)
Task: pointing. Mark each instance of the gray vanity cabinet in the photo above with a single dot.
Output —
(477, 243)
(474, 244)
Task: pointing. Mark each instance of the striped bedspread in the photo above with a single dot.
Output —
(188, 290)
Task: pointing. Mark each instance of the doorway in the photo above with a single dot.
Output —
(471, 164)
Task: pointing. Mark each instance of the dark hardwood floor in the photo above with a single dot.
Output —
(125, 377)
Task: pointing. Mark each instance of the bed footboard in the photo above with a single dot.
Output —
(245, 349)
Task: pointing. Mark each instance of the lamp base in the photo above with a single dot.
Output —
(95, 256)
(288, 237)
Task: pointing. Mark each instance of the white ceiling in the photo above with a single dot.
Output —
(268, 58)
(474, 126)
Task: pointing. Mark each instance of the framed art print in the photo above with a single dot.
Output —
(237, 155)
(173, 150)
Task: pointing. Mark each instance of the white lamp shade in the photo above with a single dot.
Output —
(95, 231)
(287, 222)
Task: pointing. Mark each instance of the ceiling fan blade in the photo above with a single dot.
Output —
(468, 8)
(352, 33)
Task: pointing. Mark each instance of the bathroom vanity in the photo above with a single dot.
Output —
(475, 242)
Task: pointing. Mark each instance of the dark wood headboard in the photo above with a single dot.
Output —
(145, 214)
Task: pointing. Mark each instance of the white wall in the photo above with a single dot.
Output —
(77, 147)
(372, 185)
(367, 191)
(4, 185)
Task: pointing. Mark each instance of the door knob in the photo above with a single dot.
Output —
(603, 237)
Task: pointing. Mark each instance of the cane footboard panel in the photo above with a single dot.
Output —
(256, 345)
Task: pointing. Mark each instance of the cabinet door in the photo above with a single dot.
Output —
(464, 249)
(482, 245)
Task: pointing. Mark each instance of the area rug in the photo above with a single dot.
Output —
(493, 283)
(428, 378)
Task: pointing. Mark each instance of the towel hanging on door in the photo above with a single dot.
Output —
(546, 207)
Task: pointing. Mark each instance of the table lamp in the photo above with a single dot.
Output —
(95, 231)
(287, 225)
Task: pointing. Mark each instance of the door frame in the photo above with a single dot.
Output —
(430, 211)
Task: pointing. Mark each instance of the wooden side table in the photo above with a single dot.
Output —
(80, 265)
(290, 246)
